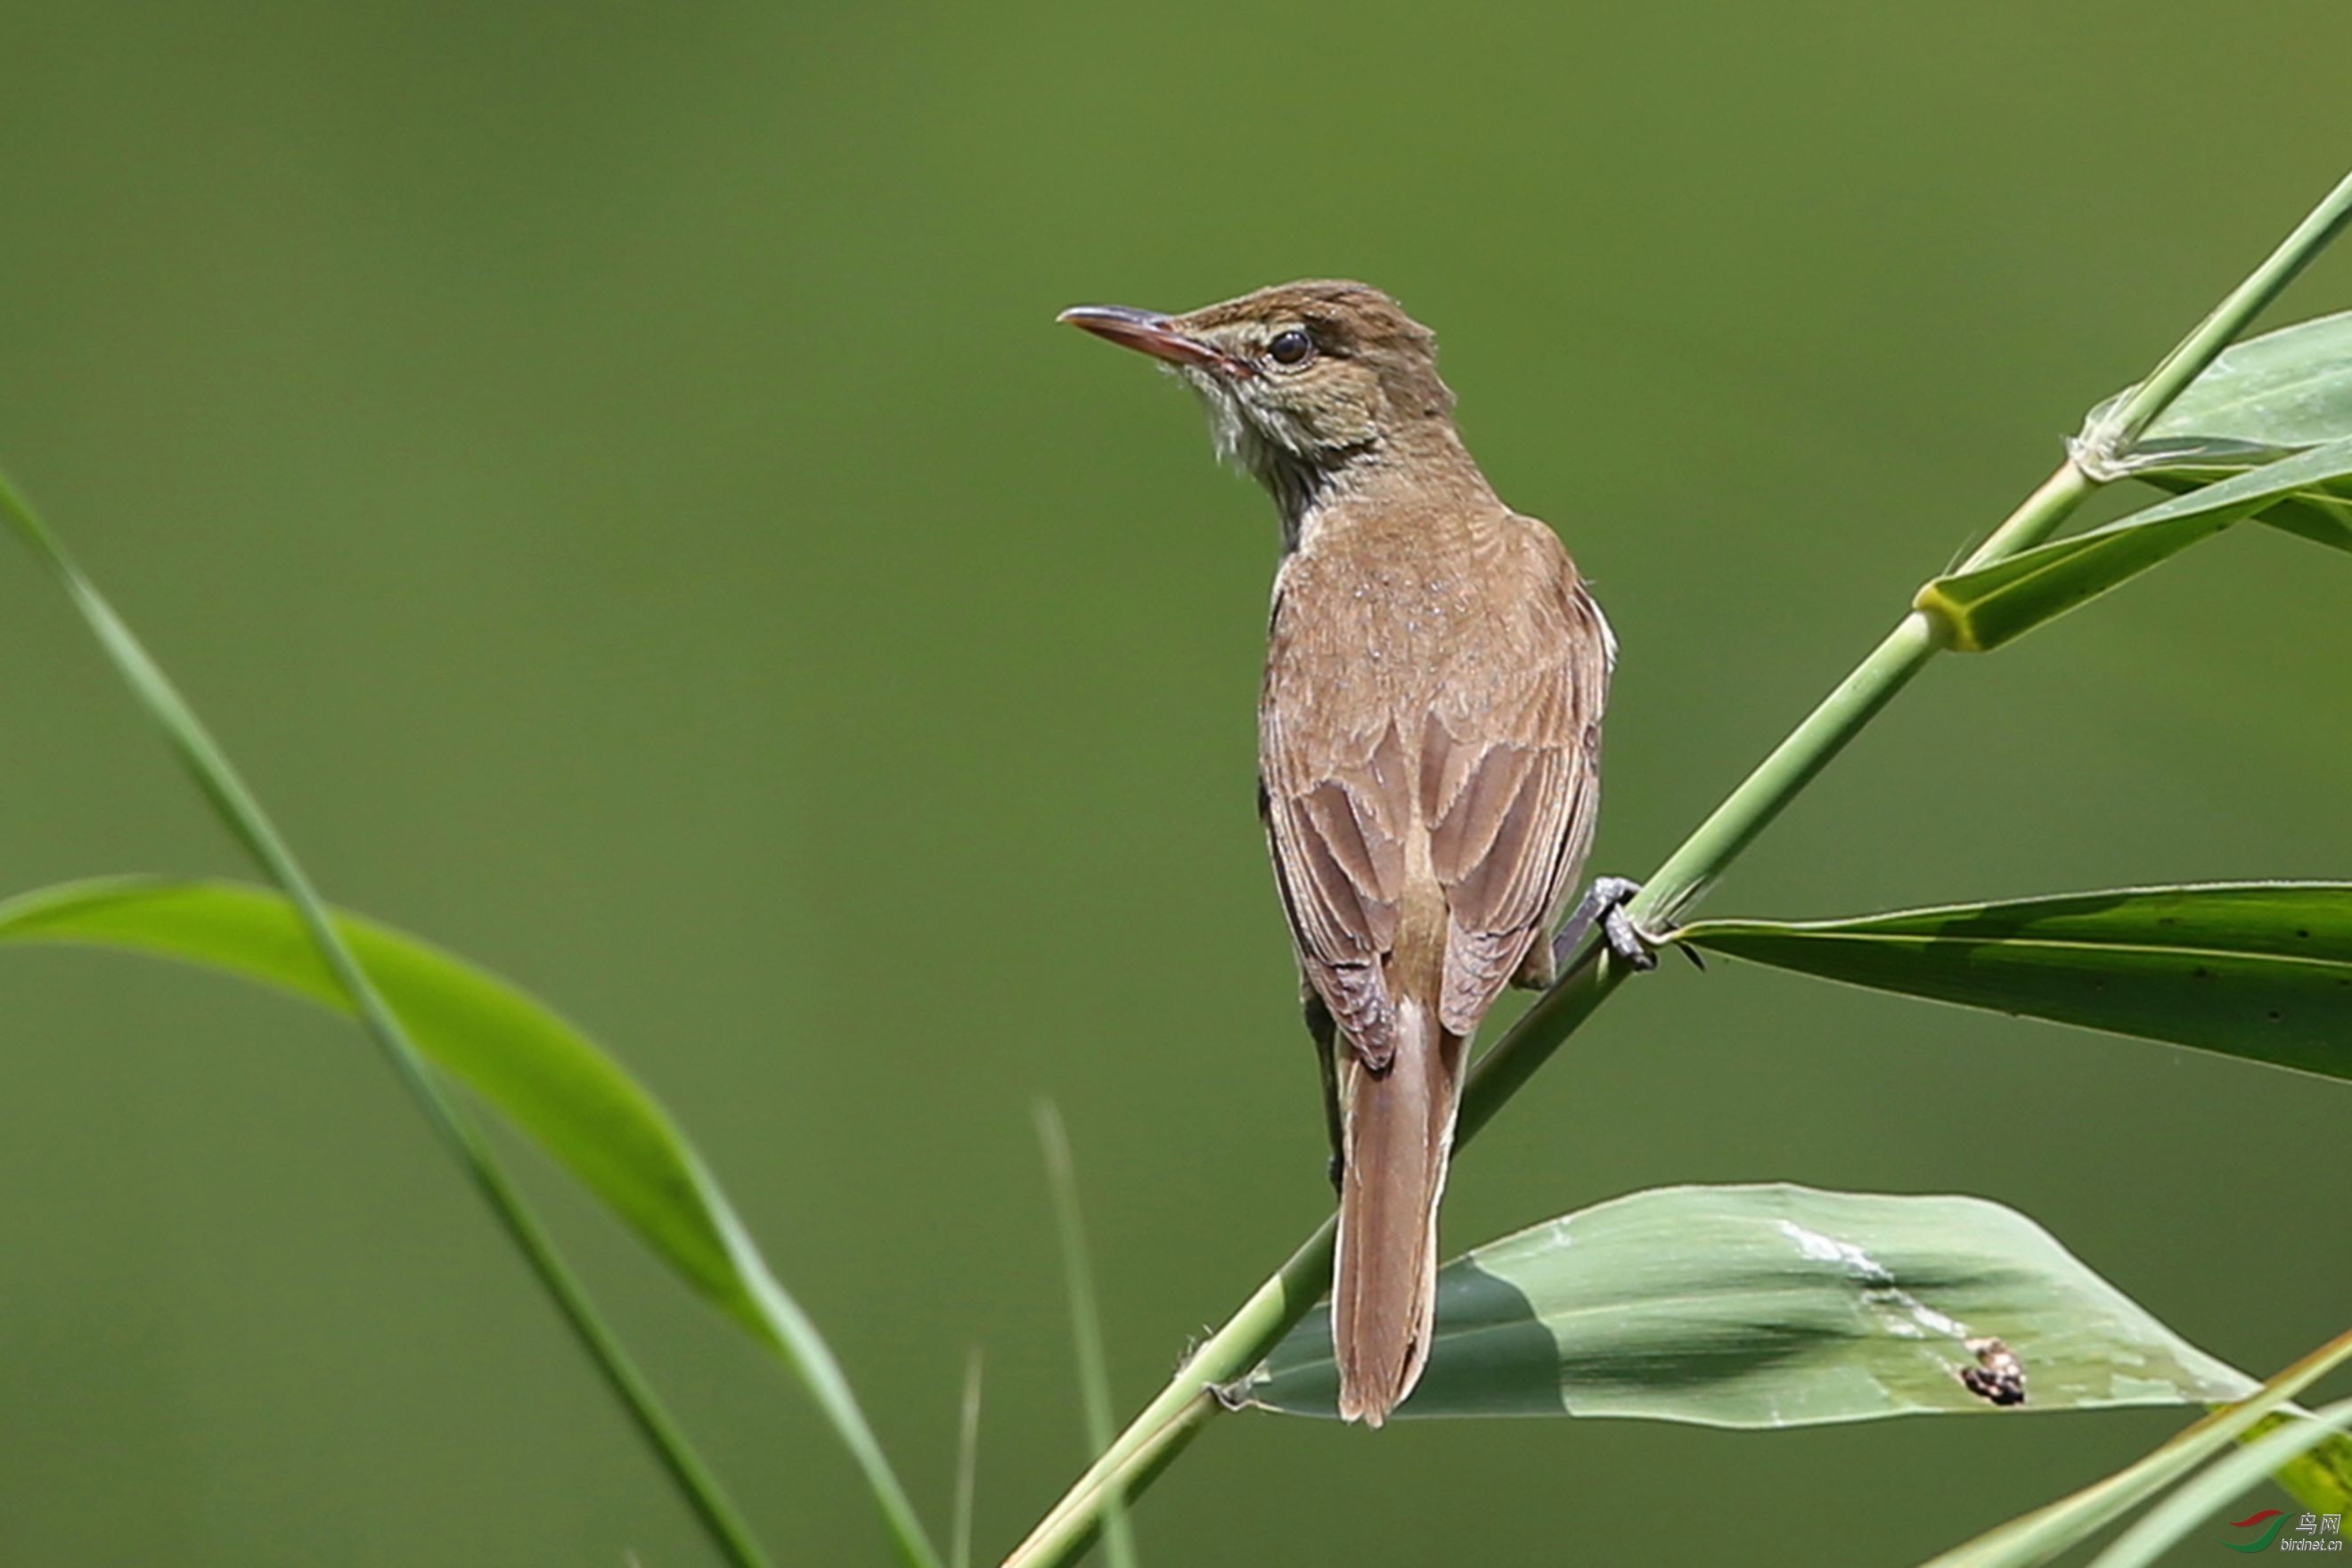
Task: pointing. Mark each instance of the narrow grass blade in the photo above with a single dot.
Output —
(1993, 606)
(967, 1464)
(2051, 1530)
(1086, 1317)
(2261, 971)
(2170, 1522)
(546, 1079)
(1774, 1305)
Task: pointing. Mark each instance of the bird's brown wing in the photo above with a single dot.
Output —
(1337, 806)
(1496, 762)
(1511, 783)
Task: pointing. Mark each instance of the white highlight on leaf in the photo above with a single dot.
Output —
(1829, 1249)
(1900, 1312)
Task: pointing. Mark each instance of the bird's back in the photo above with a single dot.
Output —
(1428, 728)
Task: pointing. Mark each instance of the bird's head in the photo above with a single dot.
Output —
(1302, 381)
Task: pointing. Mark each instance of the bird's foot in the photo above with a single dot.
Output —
(1605, 902)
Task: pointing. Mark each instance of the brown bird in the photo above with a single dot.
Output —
(1429, 752)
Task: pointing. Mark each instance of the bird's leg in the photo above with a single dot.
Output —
(1605, 901)
(1326, 1030)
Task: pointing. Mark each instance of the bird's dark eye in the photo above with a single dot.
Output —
(1291, 347)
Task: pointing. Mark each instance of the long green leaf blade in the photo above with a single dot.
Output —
(1768, 1307)
(543, 1075)
(2261, 971)
(550, 1080)
(1996, 604)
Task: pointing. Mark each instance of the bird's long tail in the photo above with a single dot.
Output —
(1398, 1132)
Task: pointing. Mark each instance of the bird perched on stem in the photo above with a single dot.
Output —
(1429, 752)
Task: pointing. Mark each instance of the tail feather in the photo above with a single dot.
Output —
(1397, 1134)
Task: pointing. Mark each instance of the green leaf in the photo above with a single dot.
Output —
(2257, 970)
(2051, 1530)
(1997, 604)
(1767, 1307)
(541, 1074)
(2269, 397)
(2266, 398)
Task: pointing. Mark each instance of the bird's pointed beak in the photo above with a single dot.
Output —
(1146, 330)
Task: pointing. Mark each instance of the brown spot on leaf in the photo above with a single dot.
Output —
(1999, 1376)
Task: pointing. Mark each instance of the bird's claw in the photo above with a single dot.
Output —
(1631, 948)
(1605, 903)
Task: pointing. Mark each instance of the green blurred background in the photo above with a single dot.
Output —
(611, 476)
